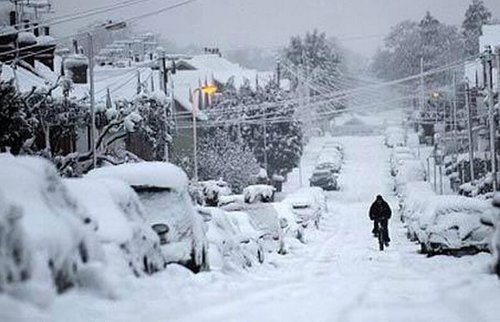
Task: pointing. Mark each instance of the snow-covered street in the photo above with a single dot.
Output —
(340, 275)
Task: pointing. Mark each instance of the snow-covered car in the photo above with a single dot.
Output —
(163, 190)
(453, 225)
(121, 223)
(325, 179)
(291, 226)
(398, 156)
(331, 160)
(394, 136)
(308, 205)
(264, 218)
(229, 246)
(495, 241)
(333, 145)
(259, 193)
(47, 241)
(409, 171)
(495, 245)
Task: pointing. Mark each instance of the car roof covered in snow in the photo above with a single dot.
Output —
(146, 174)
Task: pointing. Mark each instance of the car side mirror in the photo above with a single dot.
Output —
(162, 231)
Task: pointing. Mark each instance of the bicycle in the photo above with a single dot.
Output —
(380, 236)
(380, 232)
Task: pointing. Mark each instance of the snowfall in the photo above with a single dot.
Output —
(338, 275)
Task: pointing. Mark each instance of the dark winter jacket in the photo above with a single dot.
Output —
(380, 210)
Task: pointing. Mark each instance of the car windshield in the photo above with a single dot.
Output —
(166, 206)
(322, 174)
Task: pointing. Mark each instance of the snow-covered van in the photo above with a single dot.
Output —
(163, 189)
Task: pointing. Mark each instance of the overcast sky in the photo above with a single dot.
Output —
(269, 23)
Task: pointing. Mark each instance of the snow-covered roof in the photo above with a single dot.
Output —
(25, 79)
(210, 68)
(145, 174)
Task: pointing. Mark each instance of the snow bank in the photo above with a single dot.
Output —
(146, 174)
(121, 222)
(49, 239)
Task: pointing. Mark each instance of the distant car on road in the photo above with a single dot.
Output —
(324, 179)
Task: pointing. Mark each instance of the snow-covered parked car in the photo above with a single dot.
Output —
(290, 224)
(121, 223)
(394, 136)
(330, 161)
(409, 171)
(46, 240)
(264, 218)
(259, 193)
(308, 205)
(453, 225)
(333, 145)
(230, 247)
(398, 156)
(412, 202)
(163, 190)
(495, 241)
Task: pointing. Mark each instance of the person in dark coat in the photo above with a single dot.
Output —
(380, 213)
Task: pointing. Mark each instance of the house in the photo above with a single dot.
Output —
(474, 76)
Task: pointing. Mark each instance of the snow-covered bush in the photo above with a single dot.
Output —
(212, 190)
(259, 193)
(121, 223)
(221, 156)
(46, 238)
(163, 189)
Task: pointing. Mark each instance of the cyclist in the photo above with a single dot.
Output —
(380, 213)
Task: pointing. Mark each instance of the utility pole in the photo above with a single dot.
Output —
(487, 58)
(454, 102)
(92, 102)
(422, 100)
(497, 54)
(469, 131)
(264, 127)
(165, 113)
(278, 71)
(195, 134)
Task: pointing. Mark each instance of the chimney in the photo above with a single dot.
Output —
(13, 18)
(36, 30)
(75, 46)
